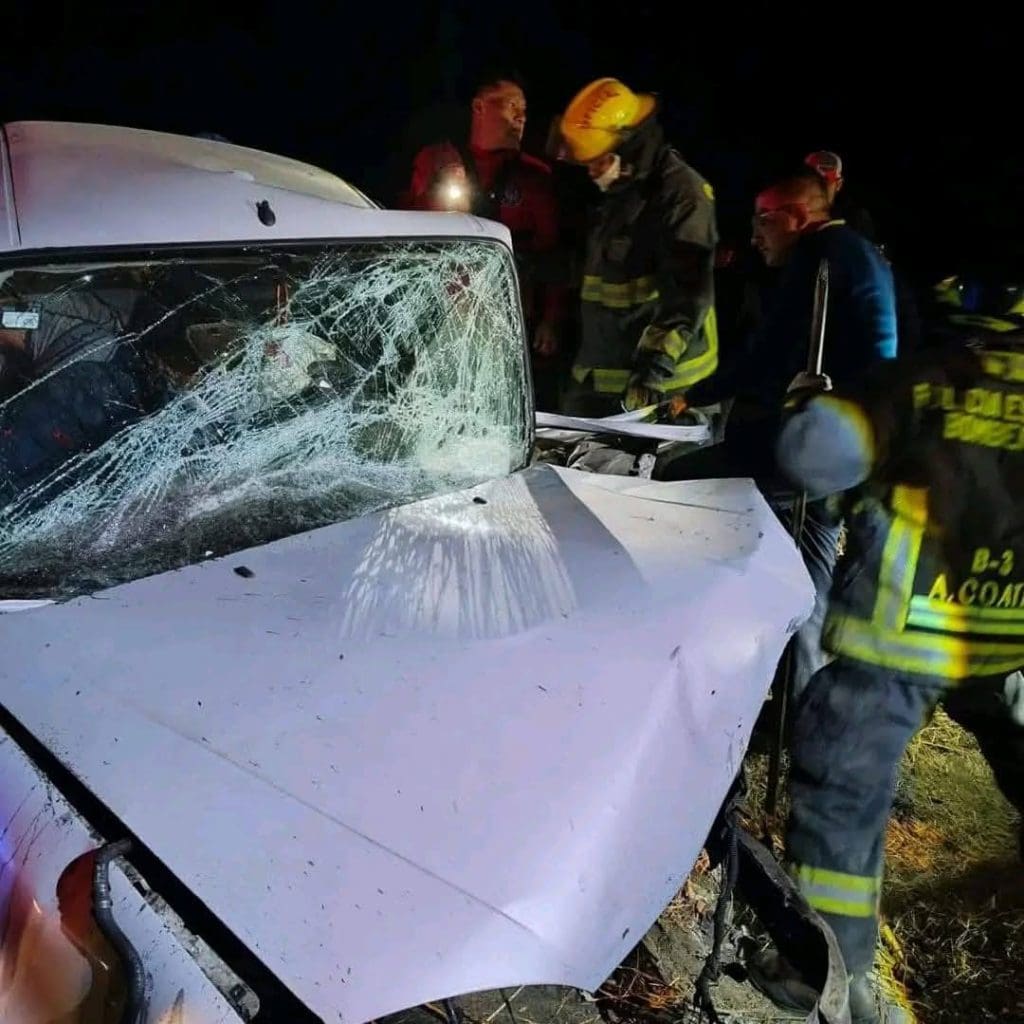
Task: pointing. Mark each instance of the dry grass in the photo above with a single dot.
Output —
(636, 993)
(690, 902)
(954, 891)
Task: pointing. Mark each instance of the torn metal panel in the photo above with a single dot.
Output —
(628, 425)
(471, 742)
(53, 960)
(799, 932)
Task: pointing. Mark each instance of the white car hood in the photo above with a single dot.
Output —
(472, 742)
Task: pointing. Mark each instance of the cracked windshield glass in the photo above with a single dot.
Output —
(157, 412)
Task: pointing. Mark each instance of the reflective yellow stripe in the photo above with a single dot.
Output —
(838, 879)
(959, 618)
(911, 504)
(842, 908)
(947, 292)
(675, 345)
(927, 653)
(988, 323)
(899, 557)
(619, 295)
(690, 371)
(1004, 365)
(610, 381)
(884, 641)
(657, 339)
(604, 381)
(834, 892)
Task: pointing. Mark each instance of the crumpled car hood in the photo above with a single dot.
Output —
(468, 743)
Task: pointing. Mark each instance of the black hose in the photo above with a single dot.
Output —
(103, 911)
(712, 967)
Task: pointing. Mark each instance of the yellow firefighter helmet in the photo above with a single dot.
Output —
(601, 116)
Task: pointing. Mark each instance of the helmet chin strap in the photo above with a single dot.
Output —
(610, 175)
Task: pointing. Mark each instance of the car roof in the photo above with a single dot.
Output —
(72, 186)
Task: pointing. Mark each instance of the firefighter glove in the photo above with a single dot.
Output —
(647, 381)
(639, 397)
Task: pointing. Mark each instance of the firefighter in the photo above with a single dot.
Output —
(964, 301)
(493, 178)
(648, 318)
(793, 228)
(927, 604)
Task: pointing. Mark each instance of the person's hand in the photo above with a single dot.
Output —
(645, 385)
(639, 396)
(545, 339)
(676, 408)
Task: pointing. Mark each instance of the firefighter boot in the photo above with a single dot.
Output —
(870, 1005)
(779, 981)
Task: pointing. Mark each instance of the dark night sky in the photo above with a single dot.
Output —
(924, 115)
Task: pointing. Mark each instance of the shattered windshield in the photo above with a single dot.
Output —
(155, 412)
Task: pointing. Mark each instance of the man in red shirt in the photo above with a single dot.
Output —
(493, 178)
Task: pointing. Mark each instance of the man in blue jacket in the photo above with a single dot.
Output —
(793, 230)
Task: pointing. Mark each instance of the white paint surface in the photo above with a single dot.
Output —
(449, 747)
(68, 186)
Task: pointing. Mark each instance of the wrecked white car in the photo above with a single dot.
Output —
(388, 714)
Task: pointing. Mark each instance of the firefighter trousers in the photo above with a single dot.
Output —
(852, 725)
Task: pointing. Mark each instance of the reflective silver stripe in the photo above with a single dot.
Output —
(959, 618)
(834, 892)
(950, 657)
